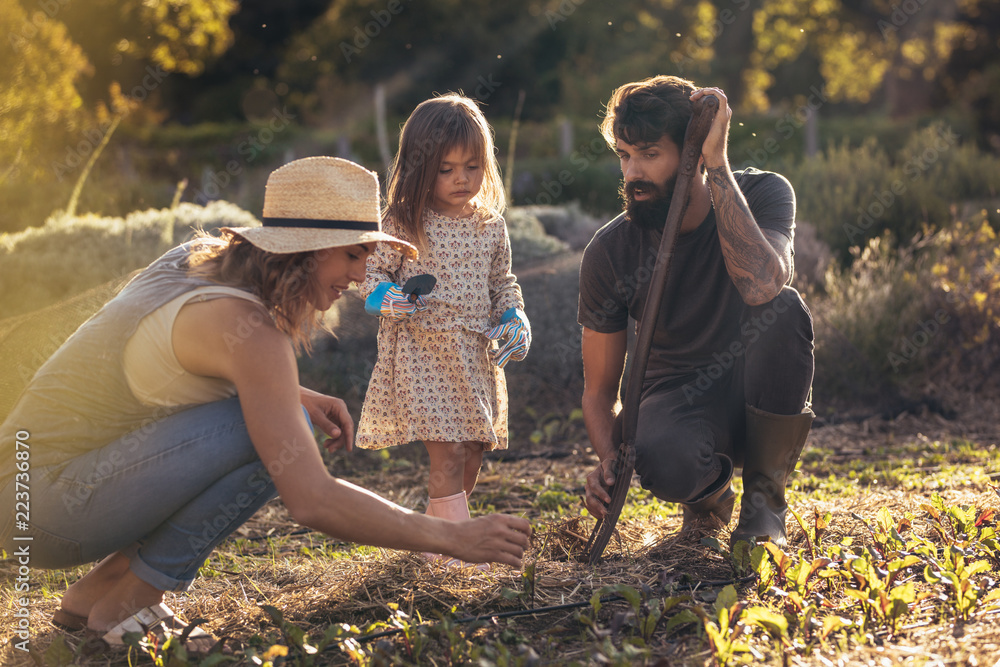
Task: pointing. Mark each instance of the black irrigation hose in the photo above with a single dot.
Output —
(709, 583)
(504, 614)
(559, 607)
(293, 533)
(261, 538)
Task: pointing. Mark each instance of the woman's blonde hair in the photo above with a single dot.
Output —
(435, 127)
(285, 282)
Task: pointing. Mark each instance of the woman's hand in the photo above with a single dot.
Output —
(496, 538)
(329, 415)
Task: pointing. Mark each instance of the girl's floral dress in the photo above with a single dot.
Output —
(434, 379)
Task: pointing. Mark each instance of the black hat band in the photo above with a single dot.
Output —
(321, 224)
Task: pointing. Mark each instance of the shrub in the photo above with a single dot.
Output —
(528, 240)
(569, 223)
(868, 307)
(591, 179)
(965, 297)
(921, 318)
(854, 194)
(43, 265)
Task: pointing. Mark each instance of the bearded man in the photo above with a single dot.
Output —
(728, 383)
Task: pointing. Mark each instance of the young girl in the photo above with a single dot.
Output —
(439, 378)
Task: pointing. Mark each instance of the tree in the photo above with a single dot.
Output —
(70, 66)
(893, 47)
(127, 39)
(566, 54)
(39, 102)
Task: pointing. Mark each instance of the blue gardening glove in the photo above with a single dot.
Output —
(389, 301)
(515, 327)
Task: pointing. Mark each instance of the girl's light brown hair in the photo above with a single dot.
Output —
(285, 282)
(435, 127)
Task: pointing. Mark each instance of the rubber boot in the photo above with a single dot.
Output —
(714, 508)
(450, 508)
(773, 445)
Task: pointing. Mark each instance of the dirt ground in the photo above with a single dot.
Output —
(298, 573)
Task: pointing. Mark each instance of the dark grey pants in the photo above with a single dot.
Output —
(685, 422)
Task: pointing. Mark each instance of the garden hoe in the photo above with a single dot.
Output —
(626, 423)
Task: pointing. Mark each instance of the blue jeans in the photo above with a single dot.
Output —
(165, 496)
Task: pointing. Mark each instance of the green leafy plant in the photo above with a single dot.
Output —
(886, 533)
(723, 628)
(957, 574)
(958, 526)
(554, 427)
(301, 650)
(637, 626)
(881, 600)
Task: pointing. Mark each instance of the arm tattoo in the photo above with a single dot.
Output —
(755, 266)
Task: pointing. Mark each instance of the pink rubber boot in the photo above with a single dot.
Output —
(451, 508)
(430, 512)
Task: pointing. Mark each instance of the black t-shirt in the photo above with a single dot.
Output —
(701, 308)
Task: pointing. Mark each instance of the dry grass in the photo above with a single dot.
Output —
(315, 581)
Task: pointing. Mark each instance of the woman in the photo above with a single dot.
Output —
(175, 413)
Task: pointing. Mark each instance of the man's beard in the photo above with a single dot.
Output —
(650, 213)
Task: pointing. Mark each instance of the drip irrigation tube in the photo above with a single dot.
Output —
(559, 607)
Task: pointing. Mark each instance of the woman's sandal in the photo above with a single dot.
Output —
(160, 620)
(67, 620)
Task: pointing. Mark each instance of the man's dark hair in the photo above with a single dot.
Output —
(644, 111)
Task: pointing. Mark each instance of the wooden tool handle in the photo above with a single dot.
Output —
(626, 424)
(704, 110)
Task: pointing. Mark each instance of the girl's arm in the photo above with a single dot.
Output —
(505, 293)
(264, 370)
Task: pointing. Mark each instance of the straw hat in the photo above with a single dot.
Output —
(320, 202)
